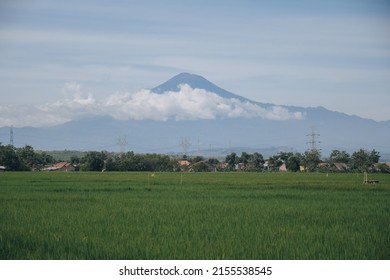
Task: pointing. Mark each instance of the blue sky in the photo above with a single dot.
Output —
(334, 54)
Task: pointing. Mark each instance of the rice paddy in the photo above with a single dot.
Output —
(193, 216)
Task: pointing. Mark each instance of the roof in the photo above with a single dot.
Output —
(340, 165)
(58, 166)
(283, 167)
(184, 162)
(61, 164)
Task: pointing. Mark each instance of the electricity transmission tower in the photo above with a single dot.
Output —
(11, 136)
(185, 145)
(122, 143)
(313, 140)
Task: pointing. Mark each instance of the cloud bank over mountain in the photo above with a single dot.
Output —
(186, 104)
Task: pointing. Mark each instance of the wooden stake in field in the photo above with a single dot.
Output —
(371, 181)
(150, 175)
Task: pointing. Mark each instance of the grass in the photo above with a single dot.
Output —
(208, 216)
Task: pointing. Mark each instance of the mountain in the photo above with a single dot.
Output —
(333, 130)
(195, 81)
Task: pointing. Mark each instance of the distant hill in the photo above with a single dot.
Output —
(336, 130)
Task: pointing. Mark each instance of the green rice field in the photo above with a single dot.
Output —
(193, 216)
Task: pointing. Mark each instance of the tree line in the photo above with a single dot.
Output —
(311, 161)
(23, 159)
(26, 158)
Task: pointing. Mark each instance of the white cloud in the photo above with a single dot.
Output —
(72, 87)
(20, 116)
(186, 104)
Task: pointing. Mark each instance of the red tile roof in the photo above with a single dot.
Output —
(61, 164)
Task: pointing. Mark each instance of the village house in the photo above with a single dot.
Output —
(339, 166)
(283, 168)
(323, 165)
(60, 166)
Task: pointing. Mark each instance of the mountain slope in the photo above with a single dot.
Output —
(102, 133)
(195, 81)
(337, 130)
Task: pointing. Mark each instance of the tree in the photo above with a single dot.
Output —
(44, 158)
(136, 162)
(244, 158)
(27, 157)
(197, 159)
(9, 159)
(283, 156)
(383, 168)
(294, 162)
(156, 162)
(93, 161)
(111, 164)
(374, 156)
(201, 167)
(231, 160)
(277, 160)
(257, 161)
(337, 156)
(311, 159)
(213, 161)
(363, 160)
(74, 160)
